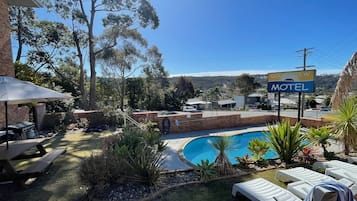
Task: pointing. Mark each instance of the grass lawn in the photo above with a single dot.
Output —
(61, 181)
(215, 191)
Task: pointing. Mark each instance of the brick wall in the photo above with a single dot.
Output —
(15, 114)
(6, 64)
(195, 121)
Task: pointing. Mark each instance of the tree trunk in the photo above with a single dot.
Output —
(19, 36)
(347, 148)
(81, 71)
(92, 90)
(122, 91)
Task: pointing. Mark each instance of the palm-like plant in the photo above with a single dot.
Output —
(345, 123)
(222, 163)
(320, 136)
(285, 140)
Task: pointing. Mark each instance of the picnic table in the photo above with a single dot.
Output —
(17, 151)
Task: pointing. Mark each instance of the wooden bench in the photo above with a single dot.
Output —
(40, 166)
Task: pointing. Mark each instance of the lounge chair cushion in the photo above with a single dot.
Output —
(263, 190)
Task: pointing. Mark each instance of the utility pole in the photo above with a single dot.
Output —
(301, 104)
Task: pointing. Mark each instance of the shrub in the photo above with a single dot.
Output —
(320, 136)
(285, 140)
(259, 148)
(133, 156)
(244, 161)
(206, 170)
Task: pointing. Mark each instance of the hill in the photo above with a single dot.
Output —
(324, 83)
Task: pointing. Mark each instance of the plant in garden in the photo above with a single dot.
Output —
(244, 161)
(285, 140)
(345, 123)
(259, 148)
(320, 136)
(133, 156)
(222, 163)
(206, 170)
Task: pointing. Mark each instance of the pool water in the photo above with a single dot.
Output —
(201, 148)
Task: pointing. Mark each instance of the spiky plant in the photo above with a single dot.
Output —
(320, 136)
(345, 123)
(206, 170)
(285, 140)
(259, 148)
(222, 163)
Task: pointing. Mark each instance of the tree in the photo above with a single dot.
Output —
(155, 80)
(119, 59)
(213, 94)
(184, 90)
(135, 92)
(345, 123)
(22, 21)
(246, 85)
(118, 15)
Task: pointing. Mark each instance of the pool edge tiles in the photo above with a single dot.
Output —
(210, 153)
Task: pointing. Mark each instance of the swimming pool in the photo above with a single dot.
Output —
(201, 148)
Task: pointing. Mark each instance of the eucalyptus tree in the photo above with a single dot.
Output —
(155, 80)
(246, 85)
(22, 21)
(118, 14)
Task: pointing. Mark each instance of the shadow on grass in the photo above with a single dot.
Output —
(61, 181)
(219, 190)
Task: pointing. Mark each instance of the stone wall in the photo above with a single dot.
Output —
(195, 122)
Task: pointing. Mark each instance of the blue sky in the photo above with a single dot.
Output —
(228, 37)
(234, 36)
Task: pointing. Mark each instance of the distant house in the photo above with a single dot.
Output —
(226, 103)
(254, 99)
(199, 104)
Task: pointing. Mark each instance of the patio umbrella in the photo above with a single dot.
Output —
(15, 91)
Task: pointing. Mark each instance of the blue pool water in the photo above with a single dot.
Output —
(201, 148)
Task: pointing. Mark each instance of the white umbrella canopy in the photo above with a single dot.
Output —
(15, 91)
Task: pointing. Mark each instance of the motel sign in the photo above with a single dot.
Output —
(293, 81)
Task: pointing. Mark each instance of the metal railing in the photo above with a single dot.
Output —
(126, 118)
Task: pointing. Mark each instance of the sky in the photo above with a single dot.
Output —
(230, 37)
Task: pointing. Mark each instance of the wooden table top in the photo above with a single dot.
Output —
(18, 147)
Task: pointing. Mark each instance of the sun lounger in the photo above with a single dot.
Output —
(310, 177)
(263, 190)
(336, 164)
(340, 173)
(302, 174)
(352, 159)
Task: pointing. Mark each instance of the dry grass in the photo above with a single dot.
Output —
(61, 181)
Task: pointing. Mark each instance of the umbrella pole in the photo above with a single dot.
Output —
(7, 124)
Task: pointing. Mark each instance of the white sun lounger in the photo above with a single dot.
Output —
(310, 177)
(302, 174)
(336, 164)
(302, 189)
(340, 173)
(352, 159)
(263, 190)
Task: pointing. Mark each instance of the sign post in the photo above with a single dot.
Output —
(292, 82)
